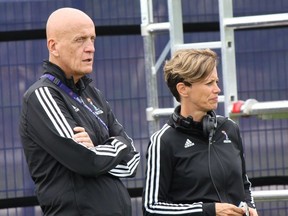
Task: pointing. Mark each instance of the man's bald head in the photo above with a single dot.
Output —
(70, 41)
(63, 20)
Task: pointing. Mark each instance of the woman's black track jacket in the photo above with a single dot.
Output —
(178, 181)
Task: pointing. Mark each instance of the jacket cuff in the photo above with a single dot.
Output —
(209, 209)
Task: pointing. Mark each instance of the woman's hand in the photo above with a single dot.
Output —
(226, 209)
(82, 137)
(253, 212)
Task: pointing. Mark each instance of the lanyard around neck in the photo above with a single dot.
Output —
(74, 96)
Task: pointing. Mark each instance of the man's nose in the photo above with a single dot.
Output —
(89, 46)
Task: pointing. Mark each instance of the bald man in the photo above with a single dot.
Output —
(75, 148)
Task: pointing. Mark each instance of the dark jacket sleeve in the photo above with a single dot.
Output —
(47, 122)
(247, 184)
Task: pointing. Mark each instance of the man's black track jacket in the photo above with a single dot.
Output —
(70, 179)
(178, 181)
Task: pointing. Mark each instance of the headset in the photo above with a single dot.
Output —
(209, 122)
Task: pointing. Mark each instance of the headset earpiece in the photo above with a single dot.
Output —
(209, 123)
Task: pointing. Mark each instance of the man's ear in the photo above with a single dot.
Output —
(182, 89)
(52, 47)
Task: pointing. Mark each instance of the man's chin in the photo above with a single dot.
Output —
(87, 71)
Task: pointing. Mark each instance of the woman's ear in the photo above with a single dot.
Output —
(182, 89)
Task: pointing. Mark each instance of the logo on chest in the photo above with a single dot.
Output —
(76, 109)
(226, 140)
(188, 143)
(96, 110)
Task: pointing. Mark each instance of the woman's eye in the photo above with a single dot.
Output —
(212, 82)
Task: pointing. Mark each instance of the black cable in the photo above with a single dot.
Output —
(209, 163)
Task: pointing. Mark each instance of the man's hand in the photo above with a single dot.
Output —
(225, 209)
(82, 137)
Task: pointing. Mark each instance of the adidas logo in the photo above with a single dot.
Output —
(188, 143)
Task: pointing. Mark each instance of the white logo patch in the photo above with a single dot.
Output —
(75, 108)
(227, 140)
(188, 143)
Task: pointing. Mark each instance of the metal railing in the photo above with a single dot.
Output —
(270, 195)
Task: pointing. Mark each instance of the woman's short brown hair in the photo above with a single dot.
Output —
(188, 66)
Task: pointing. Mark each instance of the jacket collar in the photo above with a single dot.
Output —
(53, 69)
(175, 120)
